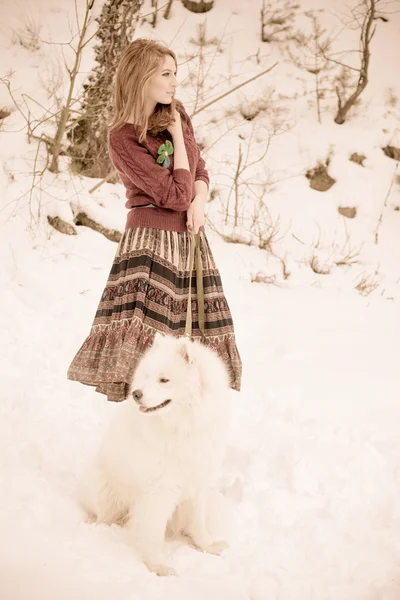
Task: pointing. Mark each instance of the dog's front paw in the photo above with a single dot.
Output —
(91, 519)
(216, 547)
(212, 547)
(162, 570)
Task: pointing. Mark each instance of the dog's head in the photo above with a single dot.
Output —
(167, 378)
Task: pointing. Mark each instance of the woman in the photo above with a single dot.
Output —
(152, 146)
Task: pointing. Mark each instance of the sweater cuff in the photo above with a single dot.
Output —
(203, 178)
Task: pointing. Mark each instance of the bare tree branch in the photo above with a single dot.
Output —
(232, 90)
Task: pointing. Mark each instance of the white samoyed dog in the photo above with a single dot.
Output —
(163, 450)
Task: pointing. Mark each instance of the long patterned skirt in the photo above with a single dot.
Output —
(147, 291)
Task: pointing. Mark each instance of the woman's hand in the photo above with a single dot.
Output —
(195, 214)
(175, 127)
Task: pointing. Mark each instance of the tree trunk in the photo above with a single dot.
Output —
(198, 6)
(168, 9)
(154, 4)
(57, 143)
(88, 133)
(367, 33)
(344, 109)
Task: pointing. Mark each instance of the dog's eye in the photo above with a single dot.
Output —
(163, 380)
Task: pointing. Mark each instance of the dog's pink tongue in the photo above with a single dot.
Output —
(142, 409)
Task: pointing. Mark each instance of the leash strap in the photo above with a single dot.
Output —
(199, 285)
(195, 258)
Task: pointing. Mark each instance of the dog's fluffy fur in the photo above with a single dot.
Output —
(163, 449)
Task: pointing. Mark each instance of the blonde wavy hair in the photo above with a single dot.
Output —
(139, 61)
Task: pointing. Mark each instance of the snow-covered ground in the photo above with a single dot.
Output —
(312, 473)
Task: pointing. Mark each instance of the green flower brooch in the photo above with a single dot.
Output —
(164, 152)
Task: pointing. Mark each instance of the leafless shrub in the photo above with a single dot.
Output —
(51, 79)
(260, 277)
(62, 107)
(327, 255)
(367, 284)
(384, 205)
(202, 40)
(201, 59)
(277, 18)
(265, 231)
(285, 270)
(364, 16)
(25, 108)
(28, 36)
(391, 98)
(240, 179)
(36, 118)
(346, 255)
(246, 177)
(349, 79)
(310, 55)
(251, 110)
(200, 63)
(255, 227)
(318, 266)
(232, 236)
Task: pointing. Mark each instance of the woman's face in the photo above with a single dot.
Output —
(161, 86)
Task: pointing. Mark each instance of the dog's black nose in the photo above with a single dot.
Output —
(137, 394)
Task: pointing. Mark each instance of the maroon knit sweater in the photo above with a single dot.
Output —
(168, 191)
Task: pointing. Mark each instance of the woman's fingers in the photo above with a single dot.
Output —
(189, 220)
(194, 218)
(197, 223)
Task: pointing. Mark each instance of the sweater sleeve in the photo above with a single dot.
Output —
(201, 171)
(168, 190)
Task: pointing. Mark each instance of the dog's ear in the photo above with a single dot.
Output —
(185, 349)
